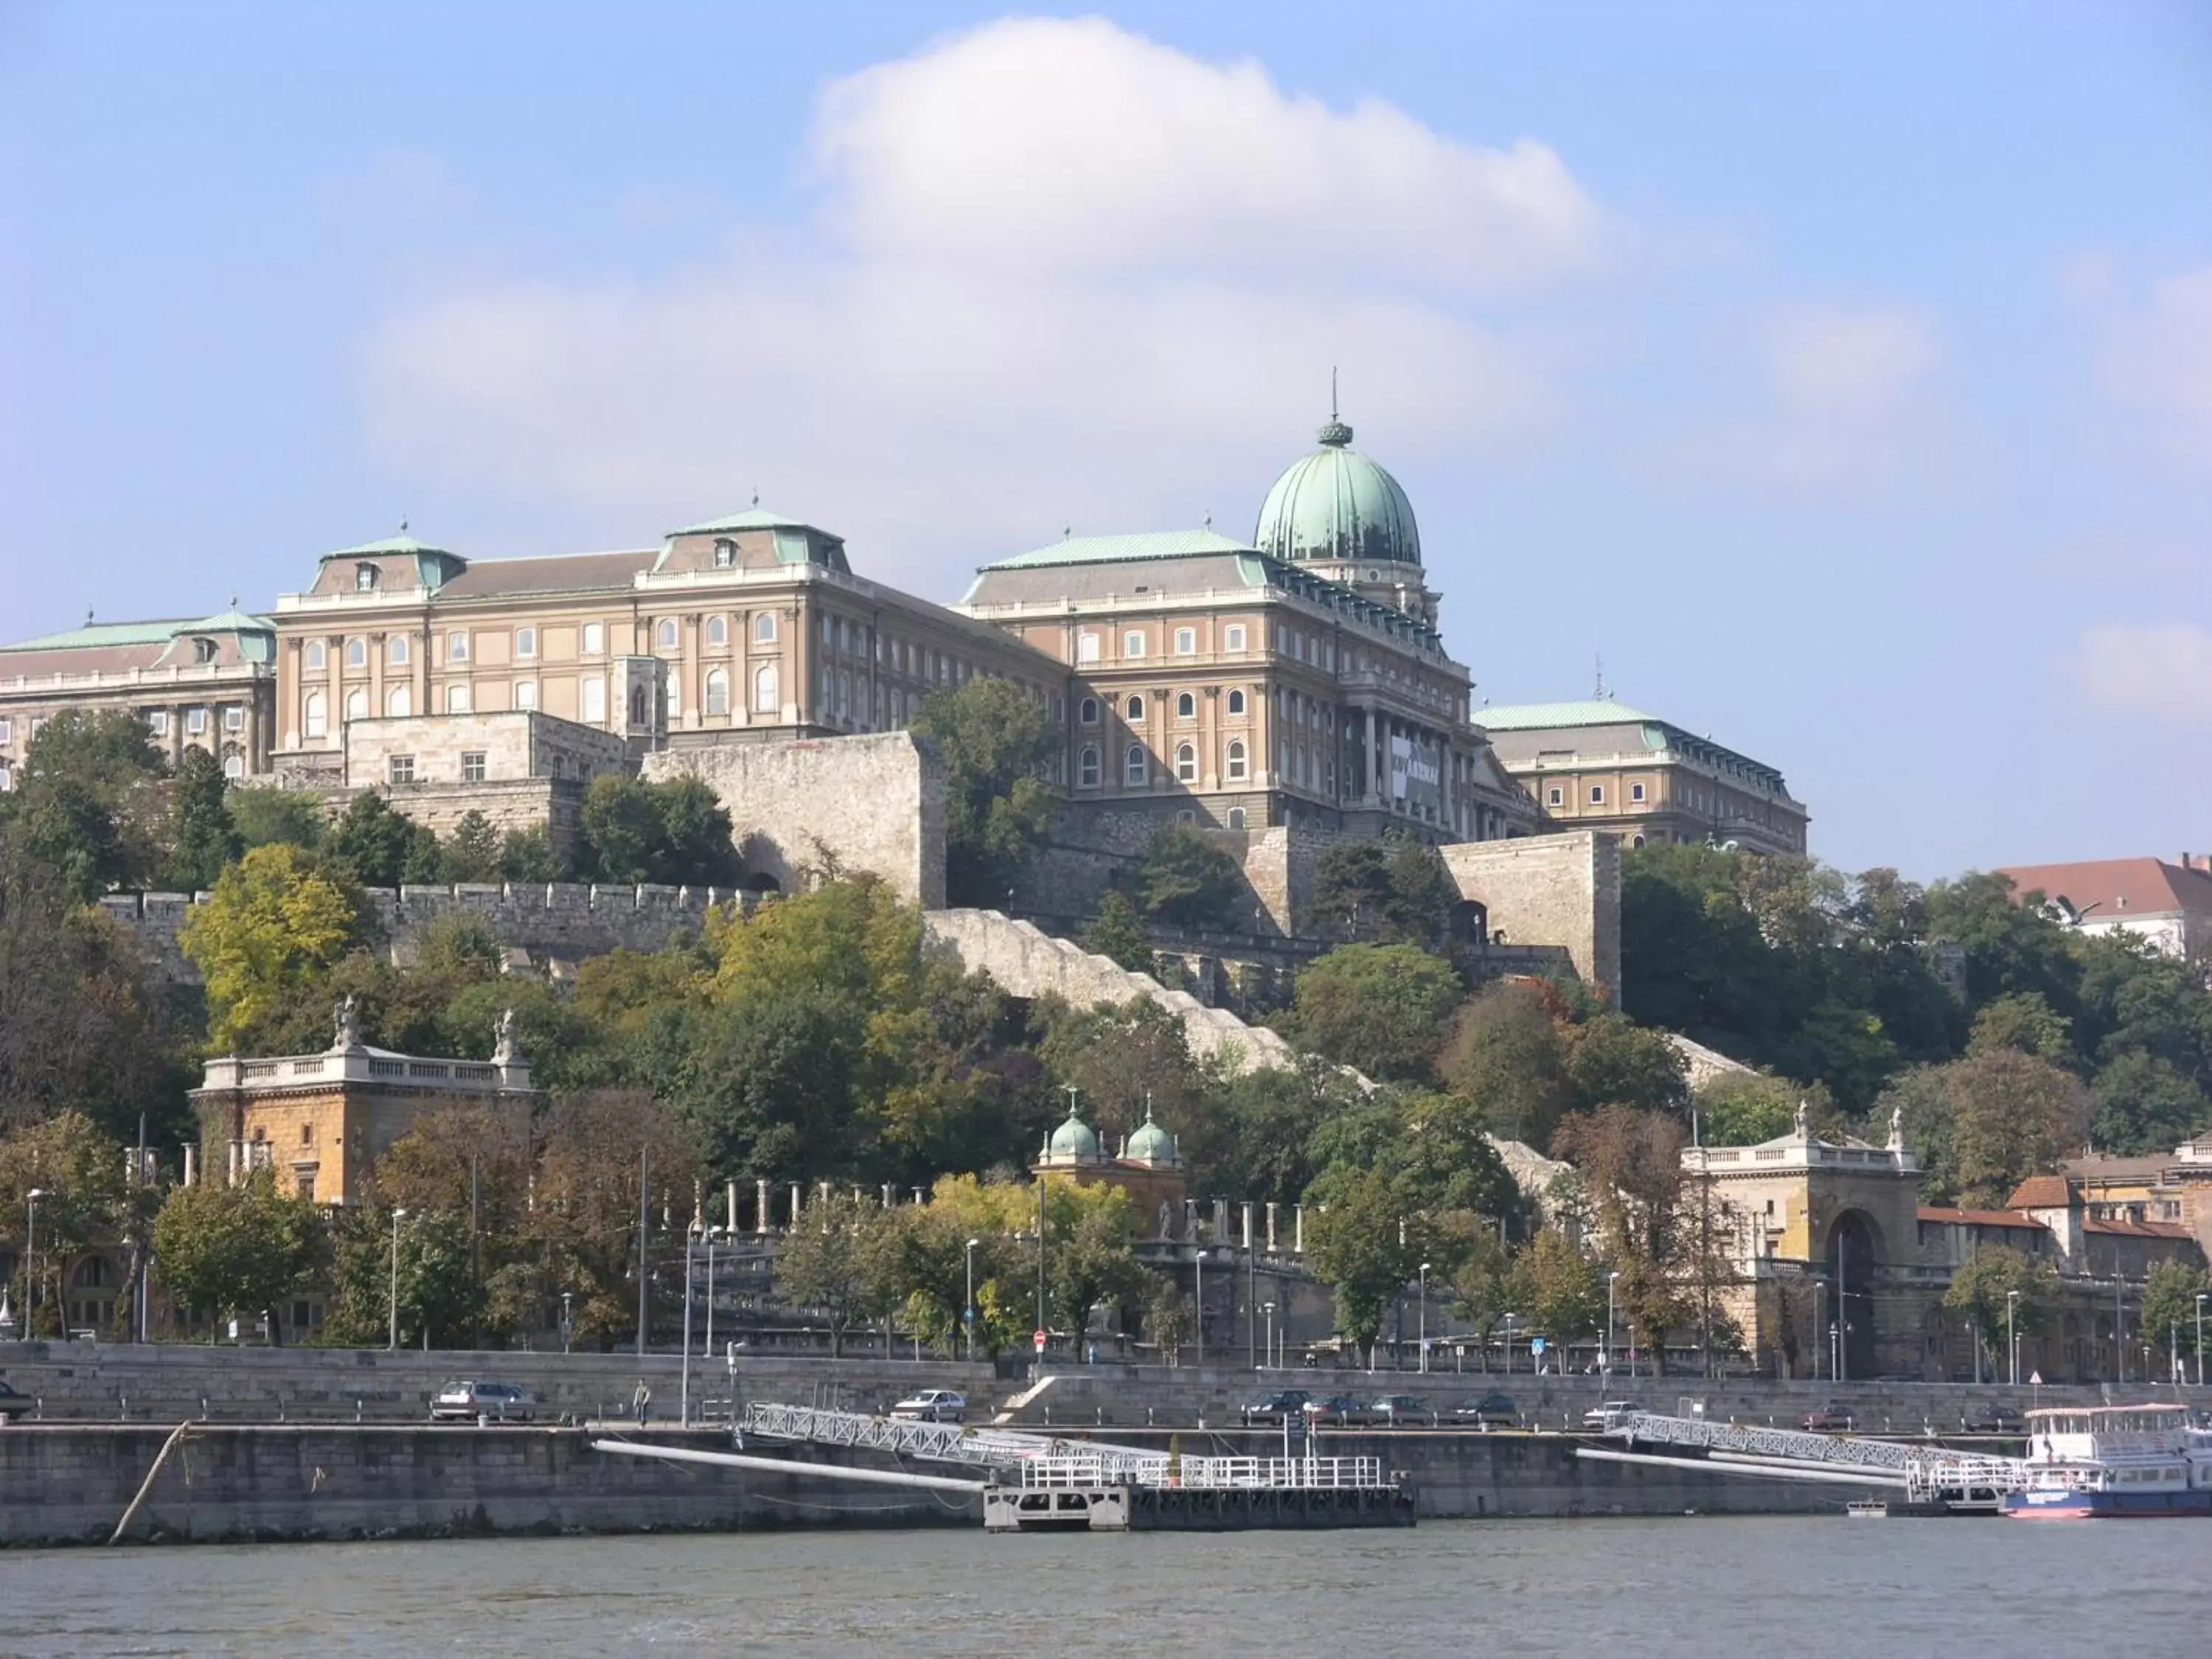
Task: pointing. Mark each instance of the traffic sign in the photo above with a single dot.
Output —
(2035, 1379)
(1536, 1345)
(1040, 1337)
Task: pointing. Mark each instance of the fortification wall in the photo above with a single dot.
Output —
(873, 802)
(1561, 890)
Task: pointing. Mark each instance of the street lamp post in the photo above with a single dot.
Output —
(1835, 1349)
(1199, 1321)
(31, 1259)
(2012, 1335)
(1611, 1280)
(1424, 1332)
(1270, 1308)
(706, 1346)
(392, 1340)
(684, 1375)
(2200, 1341)
(1820, 1294)
(968, 1311)
(567, 1323)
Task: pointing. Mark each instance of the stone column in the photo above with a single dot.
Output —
(795, 1190)
(376, 650)
(1371, 792)
(334, 692)
(1272, 1208)
(1248, 1224)
(760, 1206)
(1298, 1228)
(730, 1207)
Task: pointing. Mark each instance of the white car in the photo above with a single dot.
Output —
(1599, 1417)
(932, 1406)
(502, 1402)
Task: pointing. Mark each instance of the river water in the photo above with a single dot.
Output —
(1863, 1589)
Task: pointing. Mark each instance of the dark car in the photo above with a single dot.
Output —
(1495, 1410)
(13, 1401)
(1830, 1418)
(1398, 1409)
(1336, 1408)
(1996, 1419)
(1274, 1407)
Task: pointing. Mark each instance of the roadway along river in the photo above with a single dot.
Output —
(1860, 1590)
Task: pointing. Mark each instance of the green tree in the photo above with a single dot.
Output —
(1631, 1165)
(1742, 1108)
(471, 851)
(1090, 1257)
(1186, 881)
(2169, 1305)
(382, 847)
(1981, 1291)
(1117, 933)
(277, 919)
(202, 840)
(2142, 1103)
(1169, 1318)
(1121, 1060)
(1364, 1243)
(1421, 896)
(235, 1252)
(84, 1199)
(839, 1259)
(1380, 1008)
(1253, 1132)
(1560, 1292)
(87, 802)
(1351, 886)
(527, 855)
(675, 831)
(1615, 1062)
(996, 742)
(2025, 1023)
(261, 815)
(696, 847)
(1507, 1058)
(2012, 1115)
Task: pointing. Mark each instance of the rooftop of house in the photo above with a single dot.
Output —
(2095, 890)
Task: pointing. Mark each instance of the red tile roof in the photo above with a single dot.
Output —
(2042, 1192)
(567, 573)
(1978, 1217)
(2117, 887)
(2139, 1228)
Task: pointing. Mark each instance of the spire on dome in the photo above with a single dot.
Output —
(1335, 435)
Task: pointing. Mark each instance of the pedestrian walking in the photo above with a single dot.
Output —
(640, 1401)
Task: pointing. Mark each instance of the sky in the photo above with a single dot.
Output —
(1839, 378)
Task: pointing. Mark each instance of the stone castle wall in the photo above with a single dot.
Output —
(873, 802)
(1561, 890)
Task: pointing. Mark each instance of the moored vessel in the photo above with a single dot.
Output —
(2088, 1462)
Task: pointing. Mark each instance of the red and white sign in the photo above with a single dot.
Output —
(1040, 1338)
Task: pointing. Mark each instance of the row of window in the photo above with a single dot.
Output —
(1137, 765)
(522, 696)
(1136, 642)
(460, 647)
(1132, 710)
(1558, 795)
(400, 769)
(197, 721)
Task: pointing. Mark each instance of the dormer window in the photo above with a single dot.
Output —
(364, 577)
(202, 650)
(725, 554)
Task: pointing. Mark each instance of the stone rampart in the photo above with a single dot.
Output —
(812, 805)
(1562, 889)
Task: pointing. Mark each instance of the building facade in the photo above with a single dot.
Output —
(2167, 907)
(1601, 764)
(206, 683)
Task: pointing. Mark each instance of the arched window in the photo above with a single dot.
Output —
(1236, 702)
(1086, 767)
(315, 715)
(1185, 763)
(399, 702)
(718, 691)
(356, 654)
(637, 705)
(767, 693)
(1087, 711)
(457, 699)
(668, 633)
(1134, 708)
(1236, 817)
(764, 628)
(396, 647)
(1136, 766)
(1186, 707)
(316, 657)
(357, 704)
(1236, 767)
(234, 767)
(718, 631)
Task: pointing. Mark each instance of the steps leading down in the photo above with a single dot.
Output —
(1028, 962)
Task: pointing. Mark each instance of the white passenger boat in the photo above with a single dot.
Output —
(2089, 1462)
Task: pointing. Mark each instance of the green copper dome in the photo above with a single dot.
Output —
(1335, 505)
(1072, 1142)
(1150, 1144)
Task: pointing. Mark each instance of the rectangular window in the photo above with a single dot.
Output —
(1555, 798)
(157, 721)
(400, 769)
(1086, 648)
(7, 727)
(457, 698)
(457, 647)
(595, 640)
(1186, 641)
(525, 642)
(234, 718)
(525, 694)
(595, 699)
(1597, 794)
(195, 720)
(1232, 638)
(1636, 792)
(1133, 643)
(472, 766)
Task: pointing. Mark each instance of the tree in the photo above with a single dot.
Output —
(838, 1259)
(1742, 1108)
(261, 815)
(996, 742)
(1253, 1132)
(87, 801)
(1090, 1256)
(84, 1199)
(1631, 1168)
(441, 1295)
(380, 846)
(1186, 881)
(1615, 1062)
(1122, 1060)
(695, 832)
(1168, 1319)
(1559, 1290)
(2023, 1022)
(471, 851)
(1364, 1246)
(2011, 1115)
(673, 832)
(1982, 1289)
(527, 855)
(1351, 886)
(277, 919)
(1393, 890)
(1483, 1288)
(2142, 1103)
(1506, 1057)
(1381, 1008)
(235, 1252)
(1118, 933)
(2169, 1305)
(202, 839)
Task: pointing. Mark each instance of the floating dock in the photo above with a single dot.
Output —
(1082, 1493)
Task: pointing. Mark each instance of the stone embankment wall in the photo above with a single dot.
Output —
(1562, 889)
(1027, 961)
(874, 803)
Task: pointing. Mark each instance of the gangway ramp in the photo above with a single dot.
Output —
(1929, 1474)
(944, 1443)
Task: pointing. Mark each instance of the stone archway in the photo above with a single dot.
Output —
(1849, 1263)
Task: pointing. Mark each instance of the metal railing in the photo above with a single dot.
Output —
(1215, 1473)
(941, 1443)
(1929, 1474)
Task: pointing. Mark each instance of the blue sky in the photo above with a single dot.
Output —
(1842, 377)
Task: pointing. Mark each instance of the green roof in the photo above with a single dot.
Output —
(1539, 716)
(390, 544)
(1114, 549)
(752, 518)
(94, 635)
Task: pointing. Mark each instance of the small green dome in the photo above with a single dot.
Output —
(1335, 505)
(1072, 1142)
(1150, 1144)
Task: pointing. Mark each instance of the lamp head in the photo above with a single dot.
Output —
(35, 1194)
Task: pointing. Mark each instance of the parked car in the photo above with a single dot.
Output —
(1336, 1408)
(1495, 1410)
(1394, 1409)
(13, 1401)
(1830, 1418)
(1598, 1415)
(1274, 1407)
(503, 1402)
(932, 1406)
(1995, 1419)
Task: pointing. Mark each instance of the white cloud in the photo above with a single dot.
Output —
(2161, 670)
(1038, 241)
(2157, 354)
(1848, 402)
